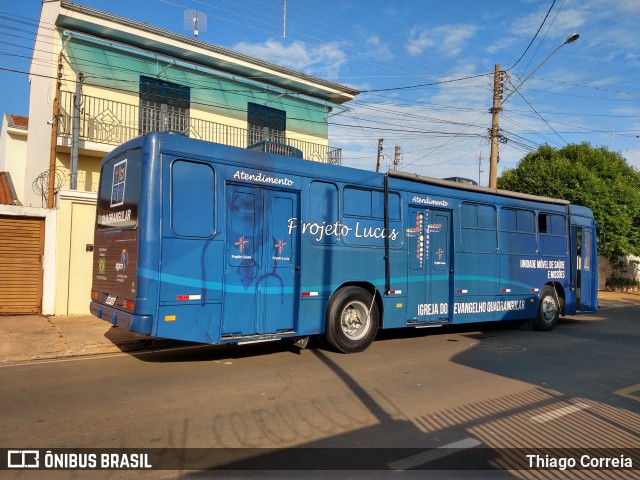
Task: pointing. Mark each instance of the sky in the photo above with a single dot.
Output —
(424, 69)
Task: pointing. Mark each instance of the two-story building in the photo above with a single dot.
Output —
(98, 80)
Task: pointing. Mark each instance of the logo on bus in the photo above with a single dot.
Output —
(430, 201)
(280, 246)
(319, 231)
(118, 183)
(122, 265)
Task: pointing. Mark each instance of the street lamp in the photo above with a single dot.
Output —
(570, 39)
(497, 105)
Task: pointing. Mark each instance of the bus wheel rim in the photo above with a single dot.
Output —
(354, 320)
(549, 310)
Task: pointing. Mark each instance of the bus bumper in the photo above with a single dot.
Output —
(118, 318)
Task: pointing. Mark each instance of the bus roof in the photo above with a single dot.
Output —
(172, 141)
(414, 177)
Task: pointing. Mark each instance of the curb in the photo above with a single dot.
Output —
(90, 350)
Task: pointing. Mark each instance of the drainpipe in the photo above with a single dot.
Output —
(75, 134)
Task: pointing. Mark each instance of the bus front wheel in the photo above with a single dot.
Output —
(548, 310)
(352, 320)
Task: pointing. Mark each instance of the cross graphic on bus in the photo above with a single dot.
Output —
(241, 243)
(280, 246)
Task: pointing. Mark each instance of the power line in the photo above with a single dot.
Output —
(396, 128)
(534, 37)
(443, 82)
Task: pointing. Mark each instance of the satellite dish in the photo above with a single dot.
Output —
(196, 21)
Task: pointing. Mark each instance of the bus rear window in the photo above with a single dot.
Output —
(119, 191)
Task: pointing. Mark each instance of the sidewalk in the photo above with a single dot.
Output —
(25, 338)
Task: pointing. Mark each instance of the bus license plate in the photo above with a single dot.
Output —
(111, 300)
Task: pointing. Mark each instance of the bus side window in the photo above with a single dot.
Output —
(478, 228)
(394, 205)
(365, 203)
(517, 231)
(357, 202)
(552, 230)
(542, 223)
(192, 199)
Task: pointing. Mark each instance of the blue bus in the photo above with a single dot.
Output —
(208, 243)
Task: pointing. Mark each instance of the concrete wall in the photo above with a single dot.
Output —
(625, 268)
(13, 155)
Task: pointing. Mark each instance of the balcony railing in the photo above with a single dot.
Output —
(112, 123)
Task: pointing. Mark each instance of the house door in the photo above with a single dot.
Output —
(80, 258)
(261, 280)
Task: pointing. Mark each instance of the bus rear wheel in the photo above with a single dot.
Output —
(548, 310)
(352, 320)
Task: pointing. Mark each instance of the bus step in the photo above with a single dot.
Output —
(255, 338)
(423, 324)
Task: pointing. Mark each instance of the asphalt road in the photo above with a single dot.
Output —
(498, 391)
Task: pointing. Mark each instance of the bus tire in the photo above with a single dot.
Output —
(548, 310)
(350, 328)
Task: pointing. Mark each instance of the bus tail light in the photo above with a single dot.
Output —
(129, 305)
(94, 295)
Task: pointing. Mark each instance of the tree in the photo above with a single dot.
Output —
(594, 177)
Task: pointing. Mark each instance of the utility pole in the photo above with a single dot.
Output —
(54, 135)
(613, 133)
(495, 131)
(498, 101)
(479, 166)
(284, 20)
(380, 140)
(396, 157)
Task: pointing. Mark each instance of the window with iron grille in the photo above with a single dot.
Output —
(265, 124)
(163, 106)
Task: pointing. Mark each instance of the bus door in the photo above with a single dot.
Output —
(261, 281)
(430, 274)
(584, 269)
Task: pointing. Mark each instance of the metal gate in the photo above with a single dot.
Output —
(21, 250)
